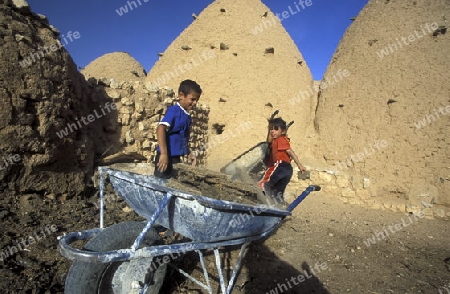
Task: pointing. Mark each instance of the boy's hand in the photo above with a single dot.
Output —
(163, 162)
(192, 158)
(302, 168)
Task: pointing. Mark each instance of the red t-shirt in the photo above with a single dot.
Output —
(278, 149)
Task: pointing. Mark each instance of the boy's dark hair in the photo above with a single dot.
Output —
(188, 86)
(278, 122)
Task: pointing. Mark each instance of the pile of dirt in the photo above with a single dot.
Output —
(201, 181)
(387, 120)
(119, 66)
(248, 66)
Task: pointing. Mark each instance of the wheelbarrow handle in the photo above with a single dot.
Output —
(302, 196)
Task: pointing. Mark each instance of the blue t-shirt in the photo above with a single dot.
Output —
(178, 122)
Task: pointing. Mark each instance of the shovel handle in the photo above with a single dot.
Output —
(274, 114)
(289, 124)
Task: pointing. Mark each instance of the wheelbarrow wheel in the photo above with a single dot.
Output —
(116, 277)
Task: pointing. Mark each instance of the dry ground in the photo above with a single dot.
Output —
(323, 230)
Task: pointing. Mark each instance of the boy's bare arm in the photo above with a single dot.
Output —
(269, 138)
(164, 158)
(295, 158)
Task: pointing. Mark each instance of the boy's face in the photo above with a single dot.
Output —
(189, 101)
(276, 132)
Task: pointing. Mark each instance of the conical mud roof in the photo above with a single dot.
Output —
(119, 66)
(227, 50)
(397, 91)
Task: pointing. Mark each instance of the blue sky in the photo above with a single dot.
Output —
(153, 25)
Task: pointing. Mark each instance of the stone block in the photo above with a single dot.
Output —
(355, 201)
(427, 212)
(324, 177)
(126, 110)
(141, 126)
(129, 137)
(114, 84)
(369, 202)
(401, 207)
(342, 181)
(113, 94)
(127, 101)
(139, 108)
(345, 200)
(376, 205)
(366, 183)
(412, 209)
(439, 213)
(356, 182)
(151, 87)
(125, 119)
(146, 145)
(349, 193)
(331, 190)
(363, 194)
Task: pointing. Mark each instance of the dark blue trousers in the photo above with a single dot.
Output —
(278, 181)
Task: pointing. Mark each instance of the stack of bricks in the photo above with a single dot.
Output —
(199, 132)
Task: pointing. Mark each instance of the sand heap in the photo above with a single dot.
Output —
(40, 93)
(119, 66)
(248, 66)
(388, 123)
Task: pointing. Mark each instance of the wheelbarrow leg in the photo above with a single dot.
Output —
(205, 271)
(237, 267)
(101, 183)
(151, 221)
(207, 288)
(219, 269)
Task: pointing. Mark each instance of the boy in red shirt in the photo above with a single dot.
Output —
(279, 172)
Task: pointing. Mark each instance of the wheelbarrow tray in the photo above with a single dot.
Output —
(196, 217)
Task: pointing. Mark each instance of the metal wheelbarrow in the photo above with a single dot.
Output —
(123, 258)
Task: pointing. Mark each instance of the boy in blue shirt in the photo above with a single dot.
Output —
(174, 129)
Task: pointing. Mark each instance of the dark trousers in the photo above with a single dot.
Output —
(279, 179)
(168, 173)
